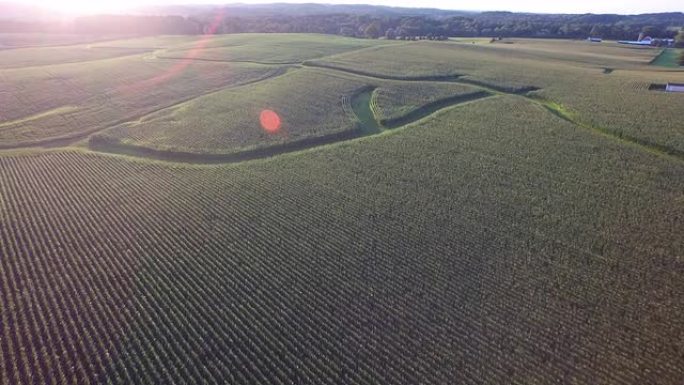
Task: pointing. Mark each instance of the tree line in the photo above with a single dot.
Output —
(487, 24)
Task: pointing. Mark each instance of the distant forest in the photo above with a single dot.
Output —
(361, 21)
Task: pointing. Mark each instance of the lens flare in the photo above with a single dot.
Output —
(182, 64)
(270, 121)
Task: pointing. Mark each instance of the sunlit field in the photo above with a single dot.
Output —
(293, 208)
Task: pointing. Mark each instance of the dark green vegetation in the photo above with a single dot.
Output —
(309, 104)
(461, 230)
(569, 73)
(314, 107)
(671, 58)
(400, 103)
(679, 39)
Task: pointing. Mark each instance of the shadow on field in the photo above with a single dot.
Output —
(360, 104)
(433, 107)
(115, 146)
(497, 88)
(435, 78)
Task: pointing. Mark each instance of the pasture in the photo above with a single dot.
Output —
(276, 209)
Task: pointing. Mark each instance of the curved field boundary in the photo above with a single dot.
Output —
(433, 107)
(114, 146)
(367, 126)
(65, 140)
(454, 78)
(359, 104)
(442, 78)
(500, 89)
(139, 52)
(362, 106)
(266, 63)
(40, 115)
(653, 148)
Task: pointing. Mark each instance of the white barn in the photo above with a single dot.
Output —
(673, 87)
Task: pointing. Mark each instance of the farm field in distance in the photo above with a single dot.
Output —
(311, 209)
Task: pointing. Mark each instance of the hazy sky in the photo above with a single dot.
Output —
(548, 6)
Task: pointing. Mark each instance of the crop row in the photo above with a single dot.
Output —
(567, 74)
(481, 248)
(364, 269)
(87, 345)
(308, 104)
(396, 99)
(167, 297)
(106, 93)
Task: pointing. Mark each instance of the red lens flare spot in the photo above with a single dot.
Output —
(270, 121)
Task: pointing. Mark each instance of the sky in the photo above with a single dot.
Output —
(548, 6)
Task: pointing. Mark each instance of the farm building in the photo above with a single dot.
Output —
(649, 41)
(673, 87)
(642, 41)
